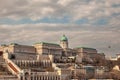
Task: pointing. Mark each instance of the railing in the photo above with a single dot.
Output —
(8, 77)
(45, 73)
(45, 76)
(32, 63)
(13, 68)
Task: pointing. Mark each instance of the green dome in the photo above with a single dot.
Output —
(13, 44)
(64, 38)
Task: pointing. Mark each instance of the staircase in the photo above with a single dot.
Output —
(5, 73)
(13, 68)
(3, 67)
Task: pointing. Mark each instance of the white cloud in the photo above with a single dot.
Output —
(65, 2)
(79, 35)
(57, 8)
(96, 37)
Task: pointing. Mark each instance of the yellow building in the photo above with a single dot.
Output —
(48, 48)
(17, 48)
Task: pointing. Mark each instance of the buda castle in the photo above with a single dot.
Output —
(42, 60)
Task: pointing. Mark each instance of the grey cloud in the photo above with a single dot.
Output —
(96, 37)
(99, 37)
(36, 9)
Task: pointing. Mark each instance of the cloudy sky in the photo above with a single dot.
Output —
(88, 23)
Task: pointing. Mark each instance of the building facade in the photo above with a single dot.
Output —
(40, 61)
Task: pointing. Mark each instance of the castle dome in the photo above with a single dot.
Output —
(64, 38)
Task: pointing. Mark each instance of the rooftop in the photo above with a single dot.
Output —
(85, 47)
(46, 43)
(14, 44)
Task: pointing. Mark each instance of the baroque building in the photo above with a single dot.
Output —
(43, 60)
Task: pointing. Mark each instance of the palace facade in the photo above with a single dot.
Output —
(43, 60)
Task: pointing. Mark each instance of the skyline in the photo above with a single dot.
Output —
(89, 23)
